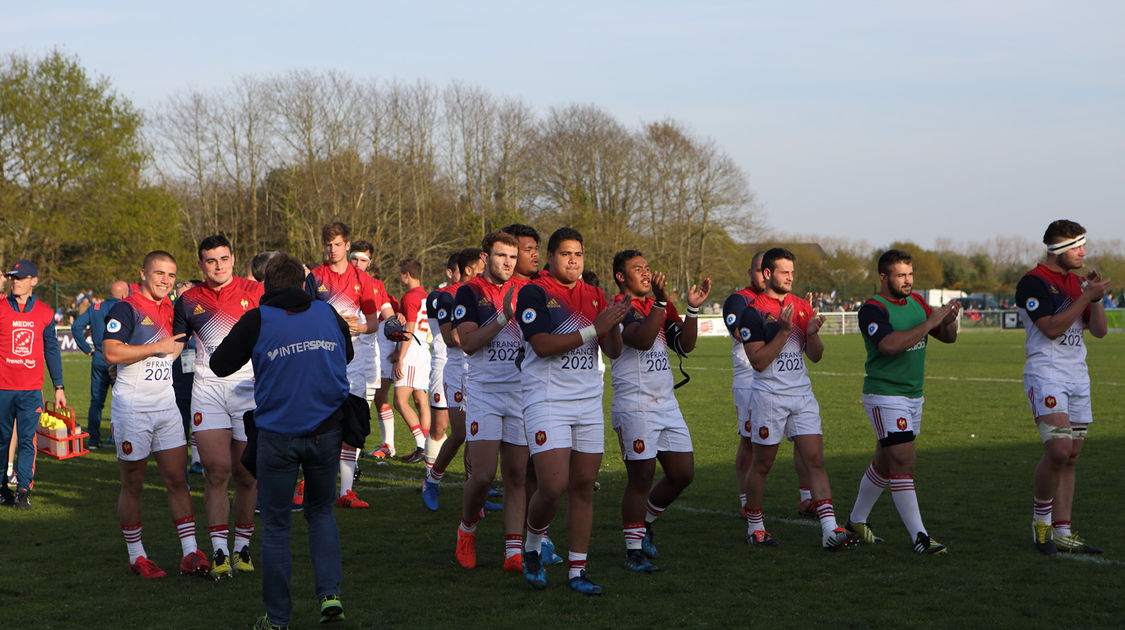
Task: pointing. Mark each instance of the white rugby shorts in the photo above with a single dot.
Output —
(773, 417)
(643, 434)
(220, 404)
(415, 369)
(574, 424)
(742, 408)
(138, 434)
(437, 383)
(1047, 397)
(454, 380)
(893, 414)
(495, 416)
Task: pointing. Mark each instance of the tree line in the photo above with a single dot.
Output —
(88, 183)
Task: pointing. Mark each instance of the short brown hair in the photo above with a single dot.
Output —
(334, 229)
(892, 257)
(157, 254)
(411, 267)
(492, 238)
(284, 270)
(1062, 230)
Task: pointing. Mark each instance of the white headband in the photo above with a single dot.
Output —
(1065, 246)
(360, 257)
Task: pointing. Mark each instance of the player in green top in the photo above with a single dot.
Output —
(895, 325)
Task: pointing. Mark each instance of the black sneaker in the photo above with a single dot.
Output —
(415, 456)
(7, 497)
(23, 499)
(635, 560)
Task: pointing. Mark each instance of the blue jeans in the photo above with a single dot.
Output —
(279, 457)
(24, 406)
(99, 385)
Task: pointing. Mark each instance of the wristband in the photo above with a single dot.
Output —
(692, 311)
(588, 333)
(59, 388)
(502, 319)
(660, 304)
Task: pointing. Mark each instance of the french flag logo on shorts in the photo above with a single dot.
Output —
(540, 438)
(638, 446)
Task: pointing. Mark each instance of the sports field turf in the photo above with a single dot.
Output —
(65, 566)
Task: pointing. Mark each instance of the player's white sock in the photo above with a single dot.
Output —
(827, 516)
(419, 437)
(185, 529)
(433, 447)
(347, 468)
(513, 544)
(754, 521)
(653, 512)
(870, 488)
(1041, 510)
(634, 532)
(906, 502)
(387, 425)
(194, 451)
(576, 563)
(468, 528)
(1062, 529)
(805, 493)
(533, 538)
(741, 499)
(133, 544)
(434, 475)
(243, 532)
(219, 536)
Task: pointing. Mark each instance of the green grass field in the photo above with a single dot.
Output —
(65, 564)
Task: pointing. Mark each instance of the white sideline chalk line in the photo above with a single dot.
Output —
(976, 379)
(1091, 559)
(788, 521)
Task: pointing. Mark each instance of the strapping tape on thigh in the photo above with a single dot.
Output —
(1079, 431)
(1051, 432)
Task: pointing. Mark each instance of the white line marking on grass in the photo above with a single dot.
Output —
(1093, 559)
(789, 521)
(975, 379)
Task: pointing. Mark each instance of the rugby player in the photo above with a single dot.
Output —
(644, 412)
(470, 264)
(895, 325)
(741, 383)
(1055, 306)
(367, 350)
(352, 293)
(412, 360)
(494, 406)
(207, 312)
(145, 419)
(386, 383)
(564, 321)
(439, 407)
(776, 330)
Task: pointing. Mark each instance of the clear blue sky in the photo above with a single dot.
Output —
(874, 120)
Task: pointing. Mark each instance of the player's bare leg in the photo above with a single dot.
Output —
(402, 397)
(245, 497)
(805, 503)
(386, 419)
(422, 404)
(742, 458)
(513, 471)
(580, 509)
(215, 453)
(171, 463)
(898, 460)
(810, 448)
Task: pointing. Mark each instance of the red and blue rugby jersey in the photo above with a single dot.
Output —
(732, 311)
(480, 301)
(144, 385)
(786, 374)
(209, 314)
(1042, 292)
(642, 379)
(351, 292)
(545, 306)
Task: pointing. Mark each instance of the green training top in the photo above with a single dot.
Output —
(900, 374)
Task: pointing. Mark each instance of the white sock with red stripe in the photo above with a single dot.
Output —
(435, 475)
(194, 451)
(387, 424)
(185, 529)
(906, 502)
(1062, 529)
(219, 535)
(133, 544)
(805, 493)
(741, 499)
(243, 532)
(533, 538)
(827, 516)
(468, 528)
(1041, 510)
(870, 488)
(576, 563)
(513, 545)
(634, 532)
(347, 469)
(653, 512)
(754, 521)
(419, 436)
